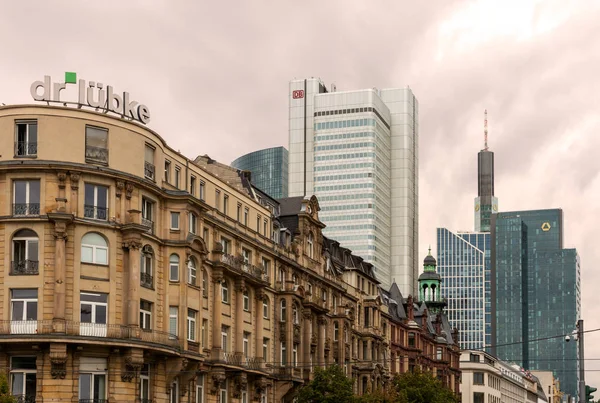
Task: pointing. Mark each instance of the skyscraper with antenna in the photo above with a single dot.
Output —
(485, 202)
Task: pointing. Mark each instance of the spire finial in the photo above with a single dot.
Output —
(430, 250)
(485, 131)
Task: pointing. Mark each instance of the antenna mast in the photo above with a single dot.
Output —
(485, 131)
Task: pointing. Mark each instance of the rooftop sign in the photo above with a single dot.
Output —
(103, 98)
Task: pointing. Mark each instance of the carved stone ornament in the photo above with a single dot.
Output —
(240, 383)
(132, 365)
(120, 186)
(132, 244)
(58, 366)
(60, 230)
(62, 180)
(129, 190)
(260, 387)
(217, 379)
(75, 180)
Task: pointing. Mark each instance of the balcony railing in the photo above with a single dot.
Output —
(148, 223)
(232, 358)
(252, 362)
(237, 262)
(25, 148)
(146, 280)
(95, 212)
(24, 398)
(24, 268)
(96, 154)
(93, 400)
(26, 209)
(71, 328)
(149, 170)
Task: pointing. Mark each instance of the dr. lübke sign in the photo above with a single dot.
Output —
(92, 94)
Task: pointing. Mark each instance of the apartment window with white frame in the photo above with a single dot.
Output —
(94, 314)
(225, 338)
(225, 292)
(95, 205)
(26, 197)
(145, 383)
(244, 398)
(204, 334)
(283, 312)
(174, 267)
(246, 255)
(145, 315)
(167, 171)
(226, 245)
(295, 355)
(146, 267)
(23, 374)
(174, 392)
(265, 347)
(336, 331)
(246, 299)
(266, 264)
(246, 344)
(246, 212)
(148, 214)
(265, 309)
(26, 138)
(193, 223)
(173, 322)
(92, 379)
(191, 324)
(283, 355)
(202, 190)
(24, 311)
(223, 392)
(175, 220)
(149, 162)
(265, 226)
(192, 271)
(177, 177)
(200, 389)
(94, 249)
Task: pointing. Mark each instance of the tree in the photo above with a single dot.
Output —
(5, 396)
(422, 387)
(329, 385)
(389, 395)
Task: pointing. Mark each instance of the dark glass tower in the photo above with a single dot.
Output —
(535, 293)
(269, 168)
(486, 203)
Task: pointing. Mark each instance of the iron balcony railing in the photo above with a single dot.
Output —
(148, 223)
(85, 329)
(26, 209)
(96, 154)
(24, 267)
(149, 170)
(25, 148)
(237, 262)
(24, 398)
(146, 280)
(95, 212)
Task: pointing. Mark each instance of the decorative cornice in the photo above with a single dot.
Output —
(75, 176)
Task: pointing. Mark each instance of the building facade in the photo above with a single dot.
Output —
(487, 379)
(486, 203)
(464, 264)
(536, 293)
(358, 152)
(269, 168)
(134, 274)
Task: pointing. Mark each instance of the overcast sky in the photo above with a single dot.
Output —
(215, 77)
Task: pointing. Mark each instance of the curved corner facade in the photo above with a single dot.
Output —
(269, 169)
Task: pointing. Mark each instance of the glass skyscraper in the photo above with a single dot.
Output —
(464, 264)
(269, 168)
(535, 293)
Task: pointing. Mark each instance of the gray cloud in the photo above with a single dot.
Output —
(215, 77)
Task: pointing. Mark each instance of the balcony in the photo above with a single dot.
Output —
(24, 398)
(95, 212)
(25, 149)
(96, 155)
(238, 263)
(71, 328)
(148, 223)
(26, 209)
(239, 360)
(24, 268)
(146, 280)
(149, 170)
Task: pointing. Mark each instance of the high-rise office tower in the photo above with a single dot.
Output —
(485, 202)
(358, 152)
(535, 293)
(269, 168)
(464, 262)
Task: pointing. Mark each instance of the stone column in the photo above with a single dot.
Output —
(61, 221)
(321, 341)
(258, 333)
(217, 279)
(133, 246)
(306, 337)
(240, 287)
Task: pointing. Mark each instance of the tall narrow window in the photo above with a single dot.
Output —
(174, 392)
(295, 317)
(295, 355)
(283, 313)
(191, 325)
(266, 264)
(204, 283)
(239, 212)
(283, 354)
(204, 334)
(26, 197)
(92, 379)
(94, 314)
(258, 224)
(246, 212)
(336, 331)
(148, 214)
(265, 226)
(24, 307)
(145, 315)
(246, 344)
(173, 310)
(225, 338)
(265, 347)
(226, 245)
(177, 177)
(193, 223)
(167, 171)
(23, 371)
(174, 267)
(94, 249)
(96, 145)
(193, 185)
(145, 384)
(246, 256)
(25, 250)
(246, 299)
(225, 292)
(265, 309)
(149, 162)
(96, 202)
(223, 392)
(310, 245)
(200, 389)
(218, 199)
(174, 220)
(225, 204)
(202, 190)
(146, 269)
(26, 139)
(192, 271)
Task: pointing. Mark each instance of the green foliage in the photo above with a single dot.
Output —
(329, 385)
(5, 396)
(382, 396)
(422, 387)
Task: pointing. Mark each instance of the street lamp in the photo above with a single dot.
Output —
(578, 335)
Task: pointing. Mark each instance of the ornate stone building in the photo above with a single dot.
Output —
(133, 274)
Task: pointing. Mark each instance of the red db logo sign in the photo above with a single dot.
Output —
(297, 94)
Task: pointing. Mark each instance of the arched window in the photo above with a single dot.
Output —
(146, 272)
(225, 292)
(204, 283)
(295, 314)
(266, 308)
(192, 271)
(94, 249)
(246, 298)
(174, 267)
(283, 310)
(310, 245)
(25, 259)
